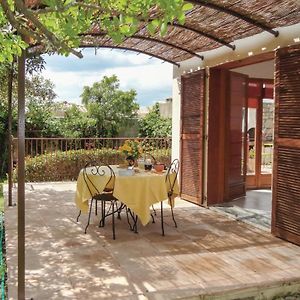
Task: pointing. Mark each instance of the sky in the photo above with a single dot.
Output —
(151, 78)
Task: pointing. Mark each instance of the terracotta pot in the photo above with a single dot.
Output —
(159, 167)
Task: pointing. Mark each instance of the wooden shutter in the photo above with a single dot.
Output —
(226, 148)
(235, 175)
(286, 167)
(192, 103)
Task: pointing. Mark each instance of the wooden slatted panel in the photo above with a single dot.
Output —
(235, 186)
(288, 190)
(286, 169)
(192, 99)
(191, 176)
(289, 90)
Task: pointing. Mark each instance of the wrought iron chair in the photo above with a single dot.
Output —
(145, 156)
(171, 177)
(90, 170)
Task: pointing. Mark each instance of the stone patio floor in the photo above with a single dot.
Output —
(208, 254)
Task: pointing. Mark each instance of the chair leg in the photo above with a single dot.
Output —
(96, 208)
(154, 210)
(153, 220)
(173, 217)
(135, 224)
(101, 223)
(128, 221)
(162, 218)
(113, 219)
(77, 219)
(119, 209)
(88, 223)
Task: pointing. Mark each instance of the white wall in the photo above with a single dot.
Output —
(176, 105)
(264, 70)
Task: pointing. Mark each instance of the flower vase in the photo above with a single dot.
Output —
(131, 161)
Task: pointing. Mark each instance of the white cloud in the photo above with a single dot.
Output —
(151, 79)
(117, 56)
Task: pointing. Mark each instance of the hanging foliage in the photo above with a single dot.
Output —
(51, 23)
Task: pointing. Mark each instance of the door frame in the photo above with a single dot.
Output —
(216, 168)
(259, 180)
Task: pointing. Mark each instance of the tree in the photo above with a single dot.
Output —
(8, 72)
(153, 125)
(77, 124)
(109, 106)
(50, 22)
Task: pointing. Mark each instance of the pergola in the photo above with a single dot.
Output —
(209, 25)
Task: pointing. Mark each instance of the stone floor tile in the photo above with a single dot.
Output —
(207, 252)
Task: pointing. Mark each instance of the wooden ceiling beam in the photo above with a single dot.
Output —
(208, 35)
(235, 14)
(151, 39)
(134, 50)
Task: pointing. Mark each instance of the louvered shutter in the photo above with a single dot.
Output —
(286, 168)
(192, 101)
(235, 175)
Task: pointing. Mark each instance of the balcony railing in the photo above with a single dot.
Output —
(56, 159)
(39, 146)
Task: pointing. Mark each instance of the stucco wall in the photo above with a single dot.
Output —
(176, 105)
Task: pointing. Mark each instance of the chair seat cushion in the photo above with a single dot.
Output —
(105, 196)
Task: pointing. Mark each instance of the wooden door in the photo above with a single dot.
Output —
(286, 166)
(226, 136)
(235, 136)
(192, 103)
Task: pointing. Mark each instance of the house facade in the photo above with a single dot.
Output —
(222, 100)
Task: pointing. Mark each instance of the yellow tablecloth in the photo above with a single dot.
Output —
(138, 192)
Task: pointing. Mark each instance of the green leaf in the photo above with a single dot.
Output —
(151, 28)
(187, 6)
(125, 29)
(155, 22)
(181, 18)
(163, 28)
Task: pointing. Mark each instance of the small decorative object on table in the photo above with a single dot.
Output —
(158, 167)
(132, 150)
(148, 164)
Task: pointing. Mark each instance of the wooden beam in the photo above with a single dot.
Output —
(208, 35)
(235, 14)
(10, 160)
(21, 176)
(250, 60)
(134, 50)
(152, 39)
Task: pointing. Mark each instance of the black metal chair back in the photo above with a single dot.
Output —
(94, 168)
(91, 171)
(170, 181)
(173, 168)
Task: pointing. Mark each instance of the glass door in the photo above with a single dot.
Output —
(260, 127)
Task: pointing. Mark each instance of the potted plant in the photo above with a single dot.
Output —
(131, 149)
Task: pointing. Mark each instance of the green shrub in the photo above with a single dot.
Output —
(60, 166)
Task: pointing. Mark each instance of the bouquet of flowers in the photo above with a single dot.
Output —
(131, 148)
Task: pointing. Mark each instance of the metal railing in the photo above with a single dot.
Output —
(39, 146)
(58, 159)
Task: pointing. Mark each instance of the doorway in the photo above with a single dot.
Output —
(240, 130)
(260, 128)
